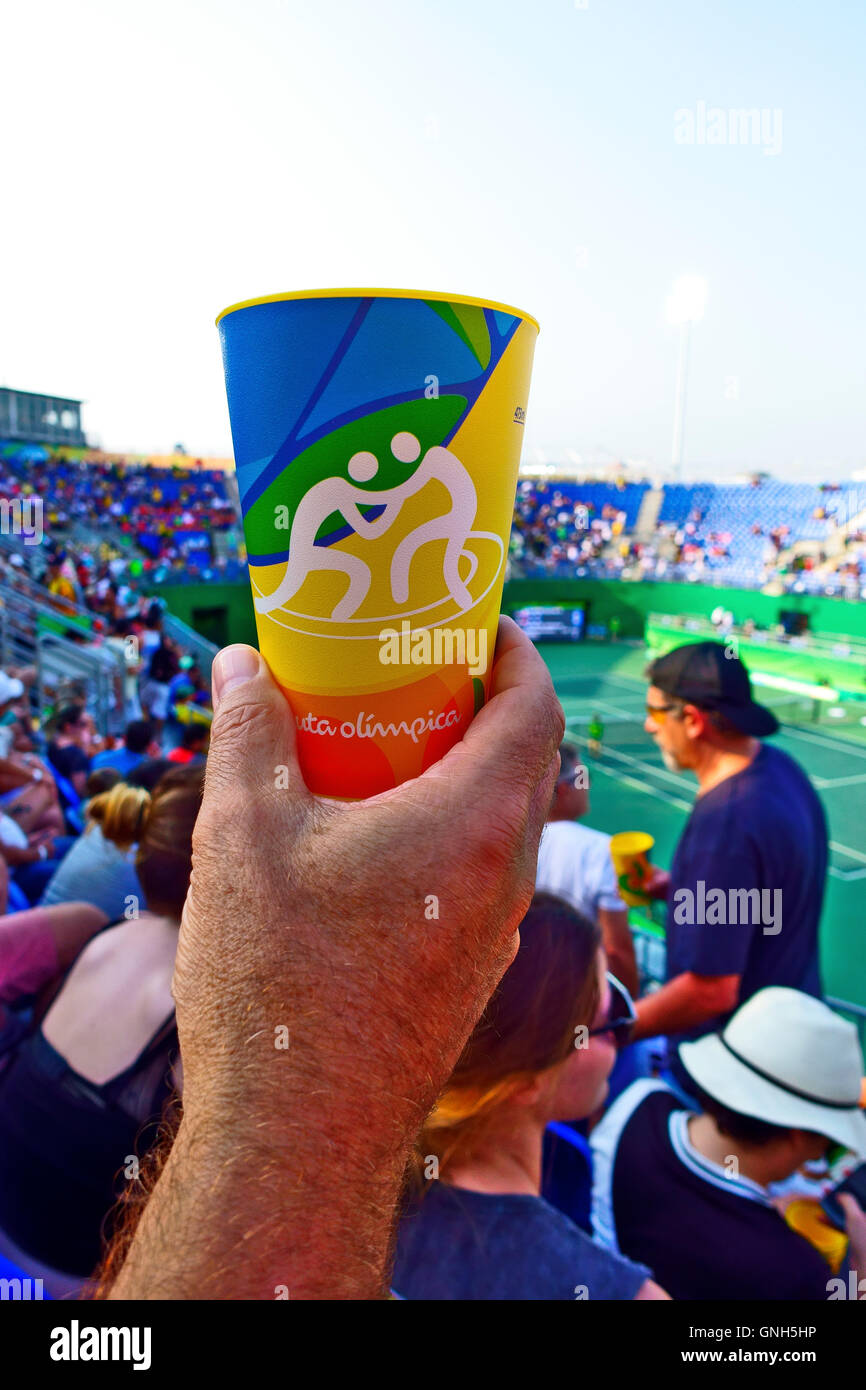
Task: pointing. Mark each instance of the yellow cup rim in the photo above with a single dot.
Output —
(382, 294)
(644, 838)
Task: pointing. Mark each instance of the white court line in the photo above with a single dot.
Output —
(835, 745)
(629, 681)
(625, 780)
(644, 786)
(823, 740)
(847, 875)
(845, 849)
(628, 758)
(820, 783)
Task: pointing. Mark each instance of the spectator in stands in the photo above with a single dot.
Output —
(60, 584)
(478, 1227)
(747, 881)
(164, 666)
(193, 745)
(124, 642)
(28, 794)
(688, 1191)
(29, 864)
(99, 868)
(35, 947)
(149, 773)
(139, 743)
(151, 636)
(69, 749)
(13, 735)
(575, 863)
(86, 1089)
(182, 684)
(99, 780)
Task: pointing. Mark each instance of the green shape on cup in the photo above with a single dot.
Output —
(469, 323)
(477, 694)
(430, 420)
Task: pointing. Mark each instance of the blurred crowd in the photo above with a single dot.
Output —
(603, 1136)
(583, 530)
(145, 522)
(52, 763)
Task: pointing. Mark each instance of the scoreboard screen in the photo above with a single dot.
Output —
(552, 623)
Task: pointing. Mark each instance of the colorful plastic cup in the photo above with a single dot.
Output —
(630, 852)
(806, 1217)
(377, 438)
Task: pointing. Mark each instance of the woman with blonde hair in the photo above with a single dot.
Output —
(100, 866)
(83, 1095)
(476, 1225)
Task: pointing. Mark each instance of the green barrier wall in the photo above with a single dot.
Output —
(631, 603)
(224, 612)
(221, 612)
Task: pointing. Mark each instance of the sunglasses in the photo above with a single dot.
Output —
(621, 1016)
(658, 713)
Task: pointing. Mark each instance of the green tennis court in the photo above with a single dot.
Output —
(633, 790)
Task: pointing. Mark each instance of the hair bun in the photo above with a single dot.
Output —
(122, 813)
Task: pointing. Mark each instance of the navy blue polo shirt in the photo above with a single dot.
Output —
(705, 1232)
(747, 883)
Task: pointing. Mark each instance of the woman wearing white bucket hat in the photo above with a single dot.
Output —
(689, 1193)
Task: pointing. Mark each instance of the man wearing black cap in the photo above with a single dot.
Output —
(747, 881)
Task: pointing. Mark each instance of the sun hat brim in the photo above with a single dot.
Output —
(733, 1084)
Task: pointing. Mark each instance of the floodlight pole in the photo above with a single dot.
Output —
(680, 402)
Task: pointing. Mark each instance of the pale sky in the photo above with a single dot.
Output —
(162, 161)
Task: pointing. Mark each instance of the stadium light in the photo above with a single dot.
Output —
(685, 306)
(687, 300)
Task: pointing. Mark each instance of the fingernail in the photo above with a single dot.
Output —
(232, 666)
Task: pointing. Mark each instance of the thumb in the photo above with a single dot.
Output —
(850, 1206)
(253, 741)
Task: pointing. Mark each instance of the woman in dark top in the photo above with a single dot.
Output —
(68, 750)
(81, 1098)
(476, 1226)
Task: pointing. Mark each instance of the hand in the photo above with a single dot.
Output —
(658, 884)
(855, 1225)
(296, 898)
(365, 936)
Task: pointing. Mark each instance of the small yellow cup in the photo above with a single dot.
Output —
(806, 1217)
(630, 853)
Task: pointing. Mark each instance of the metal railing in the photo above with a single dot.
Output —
(649, 944)
(203, 650)
(59, 646)
(67, 673)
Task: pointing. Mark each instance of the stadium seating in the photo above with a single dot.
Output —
(180, 523)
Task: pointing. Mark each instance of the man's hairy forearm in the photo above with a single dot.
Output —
(258, 1215)
(683, 1002)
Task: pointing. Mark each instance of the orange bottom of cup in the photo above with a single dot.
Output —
(355, 746)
